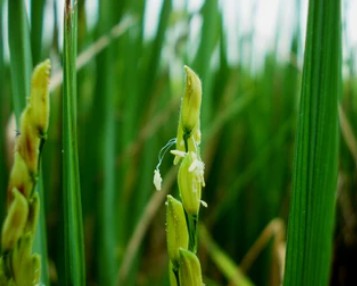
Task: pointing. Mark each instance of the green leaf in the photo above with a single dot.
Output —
(3, 101)
(210, 34)
(105, 109)
(312, 212)
(37, 16)
(73, 230)
(20, 54)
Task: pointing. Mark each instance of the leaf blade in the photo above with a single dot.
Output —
(312, 212)
(73, 228)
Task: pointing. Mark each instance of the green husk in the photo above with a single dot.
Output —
(176, 228)
(190, 269)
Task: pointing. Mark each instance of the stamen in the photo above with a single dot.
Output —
(157, 176)
(163, 151)
(178, 153)
(157, 180)
(194, 165)
(204, 204)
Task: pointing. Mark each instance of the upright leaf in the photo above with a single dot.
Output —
(312, 212)
(210, 34)
(2, 120)
(37, 16)
(73, 226)
(20, 54)
(108, 260)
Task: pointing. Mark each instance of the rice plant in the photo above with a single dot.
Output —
(182, 218)
(275, 126)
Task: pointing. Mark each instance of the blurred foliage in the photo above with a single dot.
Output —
(127, 108)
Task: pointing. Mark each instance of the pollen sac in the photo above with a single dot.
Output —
(176, 227)
(190, 181)
(191, 101)
(15, 221)
(190, 269)
(157, 180)
(34, 124)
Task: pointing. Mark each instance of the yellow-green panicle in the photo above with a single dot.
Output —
(18, 265)
(34, 119)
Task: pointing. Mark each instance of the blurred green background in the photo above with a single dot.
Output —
(129, 87)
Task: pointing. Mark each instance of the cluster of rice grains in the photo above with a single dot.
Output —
(18, 266)
(182, 216)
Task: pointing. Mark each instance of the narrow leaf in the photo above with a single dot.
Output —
(20, 54)
(73, 229)
(312, 212)
(37, 16)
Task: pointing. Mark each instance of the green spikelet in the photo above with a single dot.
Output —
(18, 266)
(190, 269)
(182, 218)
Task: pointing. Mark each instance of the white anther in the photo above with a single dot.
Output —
(157, 180)
(204, 204)
(178, 153)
